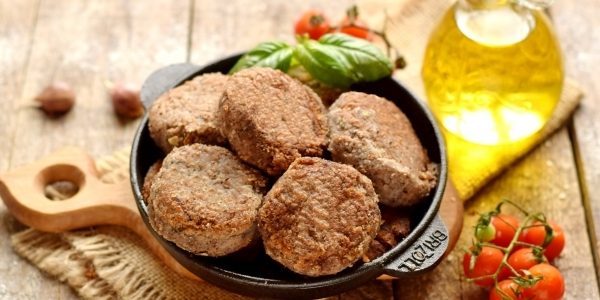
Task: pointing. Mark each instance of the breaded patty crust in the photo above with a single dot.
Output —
(206, 200)
(186, 114)
(270, 119)
(373, 135)
(319, 218)
(149, 179)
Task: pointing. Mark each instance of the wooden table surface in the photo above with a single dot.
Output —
(87, 43)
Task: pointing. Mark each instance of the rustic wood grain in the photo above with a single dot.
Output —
(87, 43)
(84, 43)
(17, 25)
(220, 30)
(581, 45)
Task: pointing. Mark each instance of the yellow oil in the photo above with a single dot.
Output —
(493, 76)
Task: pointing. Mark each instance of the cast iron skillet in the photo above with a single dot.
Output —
(262, 277)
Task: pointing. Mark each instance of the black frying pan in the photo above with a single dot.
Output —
(262, 277)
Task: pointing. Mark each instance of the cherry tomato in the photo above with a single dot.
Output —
(509, 288)
(356, 28)
(520, 260)
(550, 287)
(505, 226)
(536, 235)
(486, 263)
(314, 23)
(523, 259)
(485, 233)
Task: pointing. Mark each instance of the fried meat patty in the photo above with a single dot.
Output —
(270, 119)
(206, 200)
(319, 218)
(395, 226)
(186, 114)
(149, 179)
(373, 135)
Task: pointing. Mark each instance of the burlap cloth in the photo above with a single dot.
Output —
(110, 262)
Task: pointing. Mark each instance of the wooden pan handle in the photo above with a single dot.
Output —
(96, 202)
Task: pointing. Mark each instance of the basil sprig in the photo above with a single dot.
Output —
(276, 55)
(336, 59)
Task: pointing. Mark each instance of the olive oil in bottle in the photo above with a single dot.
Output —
(493, 71)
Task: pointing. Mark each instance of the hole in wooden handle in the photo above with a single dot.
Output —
(60, 190)
(60, 182)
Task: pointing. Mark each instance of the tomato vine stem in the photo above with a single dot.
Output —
(522, 280)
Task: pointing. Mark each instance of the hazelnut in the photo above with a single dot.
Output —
(56, 99)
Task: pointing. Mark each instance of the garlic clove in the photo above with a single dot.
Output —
(126, 100)
(56, 99)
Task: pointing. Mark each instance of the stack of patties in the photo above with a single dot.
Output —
(320, 216)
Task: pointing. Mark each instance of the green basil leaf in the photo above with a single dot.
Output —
(276, 55)
(324, 63)
(340, 60)
(369, 62)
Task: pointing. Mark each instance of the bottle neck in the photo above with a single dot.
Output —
(494, 23)
(491, 4)
(483, 4)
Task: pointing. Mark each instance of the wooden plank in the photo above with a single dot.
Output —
(546, 180)
(220, 30)
(85, 43)
(577, 28)
(17, 25)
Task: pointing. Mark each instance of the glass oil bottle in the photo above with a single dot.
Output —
(493, 70)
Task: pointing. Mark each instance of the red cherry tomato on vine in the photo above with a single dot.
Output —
(356, 28)
(500, 230)
(506, 227)
(509, 288)
(550, 287)
(486, 263)
(523, 259)
(314, 23)
(536, 235)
